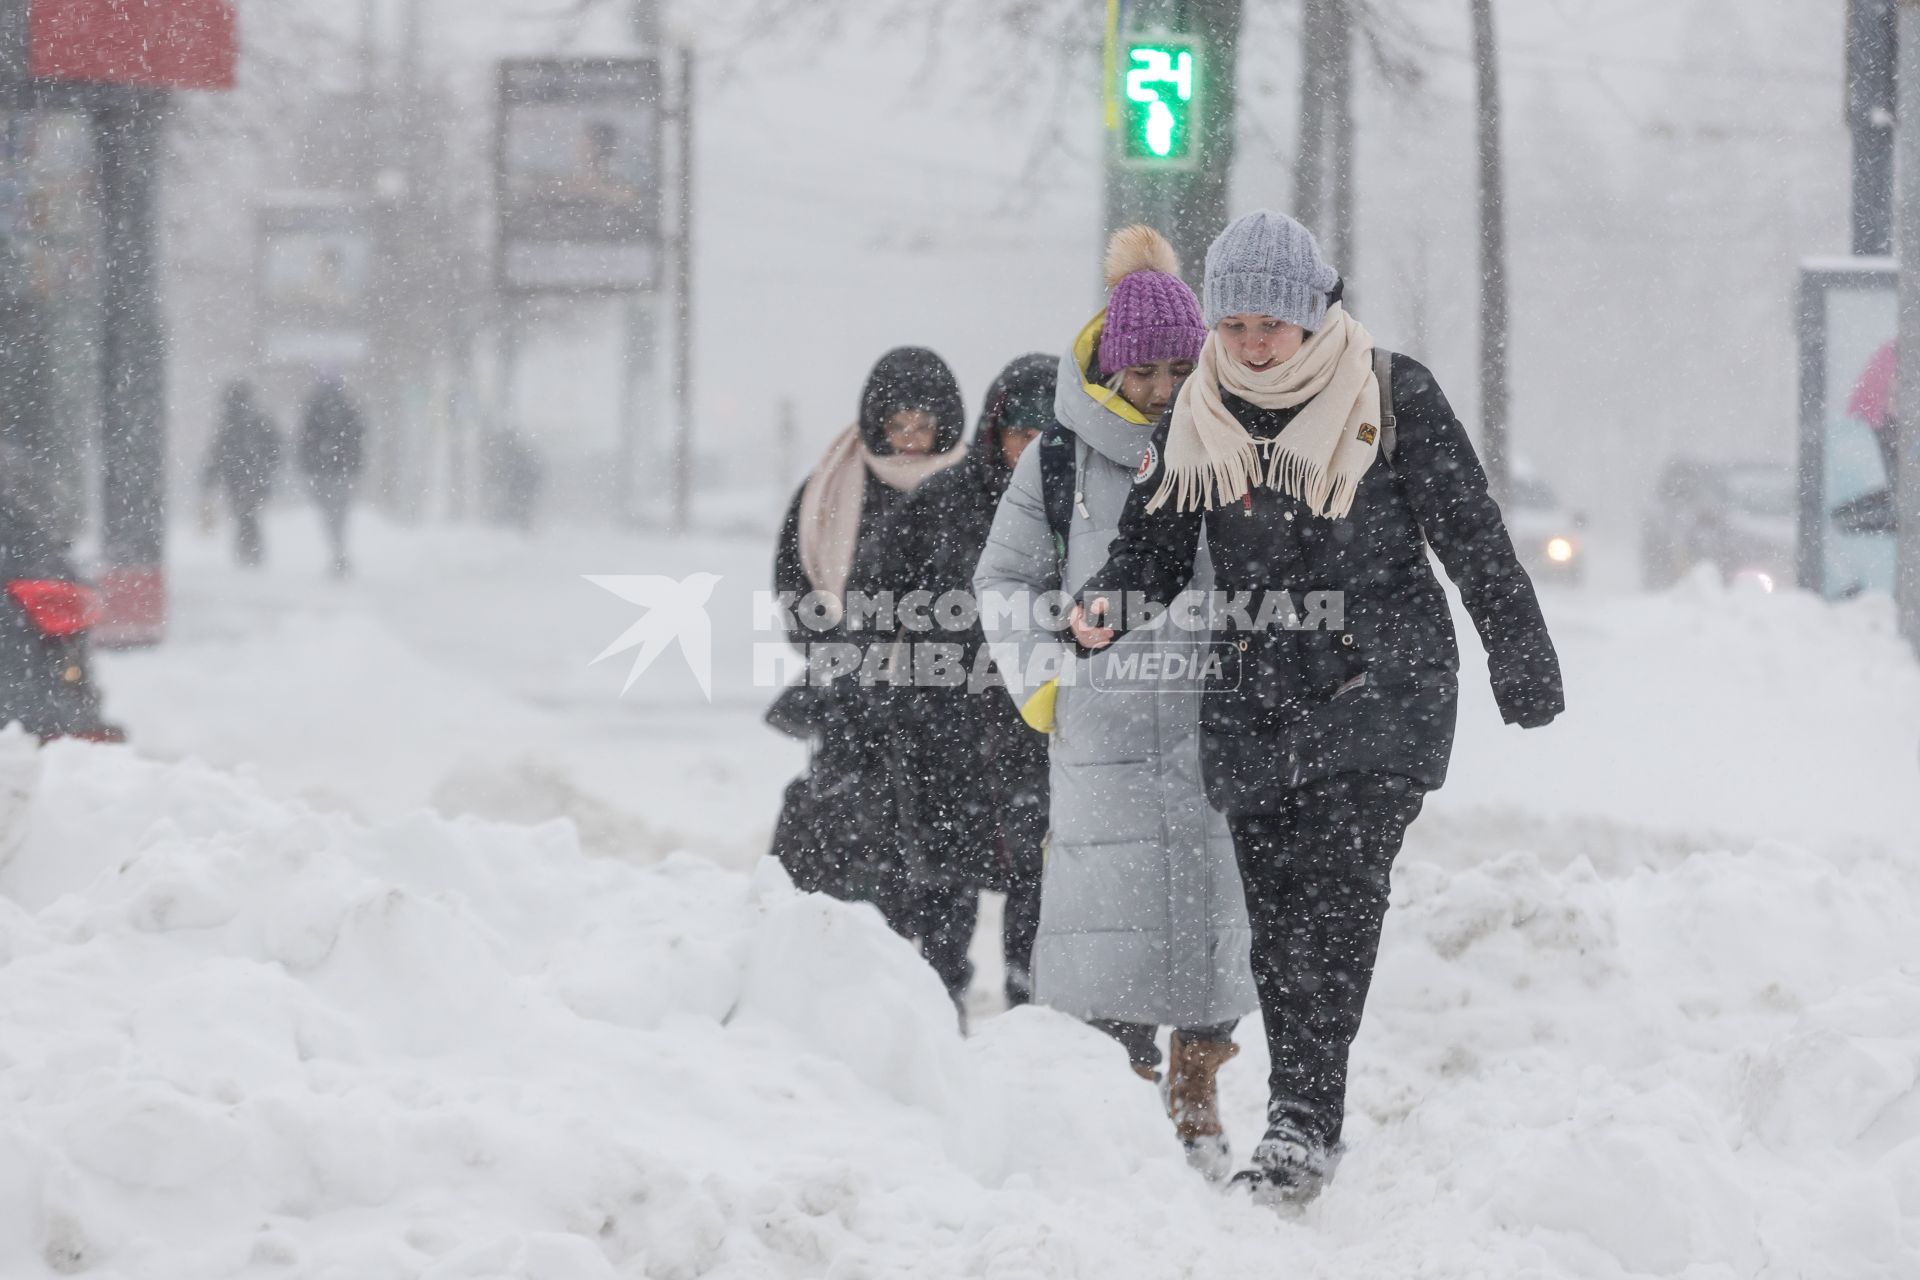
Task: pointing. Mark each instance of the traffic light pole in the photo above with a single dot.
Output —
(1185, 201)
(133, 357)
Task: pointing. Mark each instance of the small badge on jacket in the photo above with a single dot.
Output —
(1147, 464)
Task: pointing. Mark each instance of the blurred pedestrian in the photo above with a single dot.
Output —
(839, 828)
(973, 776)
(242, 461)
(1142, 921)
(332, 438)
(515, 477)
(1300, 458)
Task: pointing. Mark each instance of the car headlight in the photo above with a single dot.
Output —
(1560, 550)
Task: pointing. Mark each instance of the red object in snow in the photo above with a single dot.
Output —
(1872, 398)
(135, 606)
(158, 44)
(58, 609)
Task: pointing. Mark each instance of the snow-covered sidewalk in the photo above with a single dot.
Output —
(373, 958)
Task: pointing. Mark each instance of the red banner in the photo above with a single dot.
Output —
(161, 44)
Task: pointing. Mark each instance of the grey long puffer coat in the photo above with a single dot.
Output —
(1142, 917)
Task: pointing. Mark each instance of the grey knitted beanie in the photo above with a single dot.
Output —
(1267, 264)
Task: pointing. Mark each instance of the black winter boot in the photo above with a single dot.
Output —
(1288, 1168)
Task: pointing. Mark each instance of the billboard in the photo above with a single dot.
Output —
(578, 175)
(314, 273)
(156, 44)
(1848, 404)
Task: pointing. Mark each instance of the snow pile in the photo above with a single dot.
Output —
(243, 1037)
(1712, 1058)
(455, 670)
(1709, 708)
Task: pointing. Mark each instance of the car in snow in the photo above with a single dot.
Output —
(1550, 538)
(46, 612)
(1738, 517)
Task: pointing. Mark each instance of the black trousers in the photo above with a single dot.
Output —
(249, 547)
(943, 914)
(1317, 876)
(1018, 929)
(334, 496)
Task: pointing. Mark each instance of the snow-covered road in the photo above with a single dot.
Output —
(306, 985)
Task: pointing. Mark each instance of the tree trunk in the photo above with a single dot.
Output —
(1493, 258)
(1310, 157)
(1204, 212)
(1323, 167)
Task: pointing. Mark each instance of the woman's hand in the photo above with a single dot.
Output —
(1087, 631)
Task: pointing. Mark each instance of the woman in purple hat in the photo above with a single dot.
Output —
(1142, 921)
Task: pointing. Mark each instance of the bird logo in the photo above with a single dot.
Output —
(676, 610)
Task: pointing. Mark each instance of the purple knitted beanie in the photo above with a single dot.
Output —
(1152, 315)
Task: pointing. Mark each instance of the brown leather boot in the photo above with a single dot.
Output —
(1193, 1100)
(1146, 1073)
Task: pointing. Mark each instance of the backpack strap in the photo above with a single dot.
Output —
(1389, 420)
(1056, 484)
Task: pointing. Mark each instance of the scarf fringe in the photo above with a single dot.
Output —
(1207, 487)
(1267, 463)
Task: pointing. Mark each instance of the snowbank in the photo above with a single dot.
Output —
(244, 1037)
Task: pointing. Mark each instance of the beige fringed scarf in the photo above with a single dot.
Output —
(1319, 457)
(830, 504)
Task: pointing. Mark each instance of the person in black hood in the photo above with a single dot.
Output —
(973, 776)
(332, 436)
(838, 830)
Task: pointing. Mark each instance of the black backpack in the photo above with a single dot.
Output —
(1389, 420)
(1057, 458)
(1057, 449)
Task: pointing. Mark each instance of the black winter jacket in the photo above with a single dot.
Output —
(332, 433)
(974, 776)
(904, 378)
(873, 560)
(839, 825)
(1379, 692)
(245, 455)
(934, 538)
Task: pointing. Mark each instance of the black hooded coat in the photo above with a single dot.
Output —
(839, 828)
(973, 775)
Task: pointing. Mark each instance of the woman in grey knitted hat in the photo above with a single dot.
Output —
(1314, 463)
